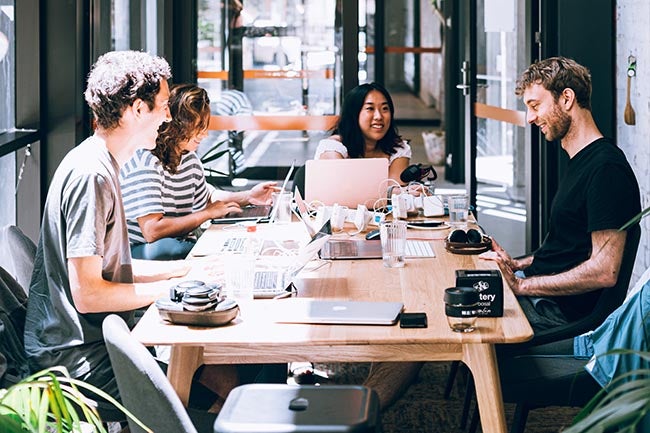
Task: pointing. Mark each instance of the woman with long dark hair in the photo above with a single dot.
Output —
(366, 129)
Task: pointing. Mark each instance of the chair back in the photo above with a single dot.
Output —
(13, 306)
(610, 299)
(144, 388)
(299, 180)
(17, 253)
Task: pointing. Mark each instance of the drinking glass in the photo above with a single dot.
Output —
(393, 243)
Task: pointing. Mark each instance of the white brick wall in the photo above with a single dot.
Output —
(633, 38)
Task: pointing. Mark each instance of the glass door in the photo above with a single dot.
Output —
(498, 169)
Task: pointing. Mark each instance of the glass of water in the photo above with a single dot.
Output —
(393, 243)
(458, 210)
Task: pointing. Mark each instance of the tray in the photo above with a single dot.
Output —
(467, 248)
(197, 318)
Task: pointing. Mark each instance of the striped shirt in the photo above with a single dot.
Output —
(148, 188)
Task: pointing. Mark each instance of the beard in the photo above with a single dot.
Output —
(558, 124)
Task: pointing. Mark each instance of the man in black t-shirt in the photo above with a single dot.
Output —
(583, 250)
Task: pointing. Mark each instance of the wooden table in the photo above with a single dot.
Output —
(255, 338)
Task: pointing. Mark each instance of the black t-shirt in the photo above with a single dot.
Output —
(598, 192)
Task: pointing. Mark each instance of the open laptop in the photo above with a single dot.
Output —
(349, 249)
(348, 182)
(260, 213)
(338, 312)
(353, 249)
(275, 274)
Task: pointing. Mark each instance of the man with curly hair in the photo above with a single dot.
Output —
(83, 269)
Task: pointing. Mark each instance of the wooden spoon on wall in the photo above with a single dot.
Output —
(629, 117)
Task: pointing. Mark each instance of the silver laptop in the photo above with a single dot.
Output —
(259, 213)
(349, 249)
(276, 278)
(341, 312)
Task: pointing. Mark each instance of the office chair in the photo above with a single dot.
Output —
(17, 253)
(299, 180)
(546, 375)
(610, 299)
(144, 388)
(13, 305)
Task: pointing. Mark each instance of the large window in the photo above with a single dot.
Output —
(7, 112)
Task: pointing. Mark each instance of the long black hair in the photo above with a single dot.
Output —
(348, 125)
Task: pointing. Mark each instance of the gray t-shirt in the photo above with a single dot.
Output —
(83, 217)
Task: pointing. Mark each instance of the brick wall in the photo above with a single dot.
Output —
(633, 38)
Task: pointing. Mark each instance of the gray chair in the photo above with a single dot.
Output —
(144, 388)
(13, 306)
(17, 253)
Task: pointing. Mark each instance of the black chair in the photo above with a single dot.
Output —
(299, 180)
(13, 306)
(609, 300)
(542, 376)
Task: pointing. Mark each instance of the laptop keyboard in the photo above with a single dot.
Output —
(419, 249)
(253, 212)
(234, 245)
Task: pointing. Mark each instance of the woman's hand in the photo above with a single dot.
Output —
(260, 194)
(220, 209)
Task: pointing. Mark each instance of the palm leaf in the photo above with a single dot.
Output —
(635, 219)
(48, 402)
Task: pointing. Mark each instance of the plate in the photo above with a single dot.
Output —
(466, 248)
(443, 226)
(212, 317)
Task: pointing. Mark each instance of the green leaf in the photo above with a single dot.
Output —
(635, 219)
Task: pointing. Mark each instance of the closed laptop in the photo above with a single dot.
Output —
(337, 312)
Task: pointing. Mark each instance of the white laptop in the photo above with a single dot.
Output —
(348, 182)
(343, 312)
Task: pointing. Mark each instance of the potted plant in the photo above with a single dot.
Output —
(52, 401)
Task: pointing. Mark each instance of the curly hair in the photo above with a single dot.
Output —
(118, 78)
(348, 125)
(189, 106)
(556, 74)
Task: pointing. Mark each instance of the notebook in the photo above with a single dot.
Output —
(279, 275)
(348, 182)
(337, 312)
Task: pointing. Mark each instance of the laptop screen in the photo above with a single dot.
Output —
(348, 182)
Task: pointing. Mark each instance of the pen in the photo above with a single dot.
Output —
(283, 295)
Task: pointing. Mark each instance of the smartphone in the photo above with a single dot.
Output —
(413, 320)
(425, 223)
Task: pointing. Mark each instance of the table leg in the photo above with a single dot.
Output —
(481, 360)
(183, 362)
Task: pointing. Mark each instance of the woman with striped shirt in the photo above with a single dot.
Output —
(165, 194)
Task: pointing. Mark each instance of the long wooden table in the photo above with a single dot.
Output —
(255, 338)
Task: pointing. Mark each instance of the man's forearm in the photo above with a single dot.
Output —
(599, 271)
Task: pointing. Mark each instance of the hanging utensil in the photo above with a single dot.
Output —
(629, 116)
